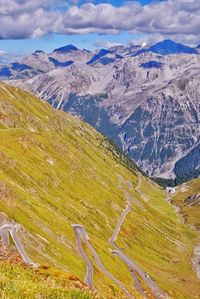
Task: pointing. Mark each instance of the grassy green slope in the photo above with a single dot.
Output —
(56, 171)
(18, 282)
(189, 208)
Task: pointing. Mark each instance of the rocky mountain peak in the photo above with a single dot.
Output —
(168, 46)
(66, 49)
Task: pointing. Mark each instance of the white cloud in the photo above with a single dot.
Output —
(35, 18)
(2, 53)
(6, 57)
(107, 44)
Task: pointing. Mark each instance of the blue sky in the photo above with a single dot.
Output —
(119, 2)
(47, 44)
(48, 24)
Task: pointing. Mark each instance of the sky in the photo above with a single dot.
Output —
(29, 25)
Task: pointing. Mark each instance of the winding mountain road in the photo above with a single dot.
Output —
(13, 229)
(155, 290)
(79, 229)
(80, 232)
(90, 270)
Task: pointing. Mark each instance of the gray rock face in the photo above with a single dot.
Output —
(163, 128)
(148, 104)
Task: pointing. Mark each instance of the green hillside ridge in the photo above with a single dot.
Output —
(56, 170)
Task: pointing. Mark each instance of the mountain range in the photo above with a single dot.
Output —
(145, 99)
